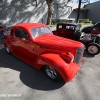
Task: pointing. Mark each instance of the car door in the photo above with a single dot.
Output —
(24, 44)
(12, 40)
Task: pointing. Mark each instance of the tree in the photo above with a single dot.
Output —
(78, 13)
(50, 4)
(79, 7)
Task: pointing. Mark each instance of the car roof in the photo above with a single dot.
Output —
(73, 24)
(97, 23)
(29, 25)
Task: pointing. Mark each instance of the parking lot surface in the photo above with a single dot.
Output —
(20, 81)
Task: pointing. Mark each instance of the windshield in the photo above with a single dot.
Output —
(77, 28)
(40, 31)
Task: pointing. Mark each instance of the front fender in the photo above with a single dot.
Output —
(66, 70)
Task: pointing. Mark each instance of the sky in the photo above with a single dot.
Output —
(90, 0)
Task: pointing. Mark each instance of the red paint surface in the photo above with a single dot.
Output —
(46, 49)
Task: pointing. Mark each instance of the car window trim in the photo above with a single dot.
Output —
(18, 28)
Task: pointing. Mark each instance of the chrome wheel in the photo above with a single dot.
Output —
(51, 72)
(7, 49)
(93, 49)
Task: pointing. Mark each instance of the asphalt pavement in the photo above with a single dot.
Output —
(20, 81)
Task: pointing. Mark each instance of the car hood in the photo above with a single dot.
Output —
(53, 41)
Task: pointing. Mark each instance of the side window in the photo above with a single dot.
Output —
(25, 34)
(60, 27)
(18, 33)
(72, 27)
(21, 33)
(67, 27)
(12, 32)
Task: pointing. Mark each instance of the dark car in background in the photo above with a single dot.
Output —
(89, 29)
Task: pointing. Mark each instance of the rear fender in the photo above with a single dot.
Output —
(7, 43)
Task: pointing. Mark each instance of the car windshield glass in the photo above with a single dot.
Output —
(77, 28)
(39, 31)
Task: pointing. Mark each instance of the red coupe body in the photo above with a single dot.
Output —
(35, 44)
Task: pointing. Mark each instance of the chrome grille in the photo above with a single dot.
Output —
(79, 54)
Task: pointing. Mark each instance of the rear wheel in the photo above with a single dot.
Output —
(52, 73)
(93, 48)
(7, 49)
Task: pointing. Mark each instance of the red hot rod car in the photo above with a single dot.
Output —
(35, 44)
(91, 40)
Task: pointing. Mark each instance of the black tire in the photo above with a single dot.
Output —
(52, 73)
(7, 49)
(93, 48)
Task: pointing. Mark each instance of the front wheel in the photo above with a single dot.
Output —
(93, 48)
(52, 73)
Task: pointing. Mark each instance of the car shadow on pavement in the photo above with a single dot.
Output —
(29, 76)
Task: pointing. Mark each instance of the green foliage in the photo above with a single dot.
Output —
(85, 21)
(55, 21)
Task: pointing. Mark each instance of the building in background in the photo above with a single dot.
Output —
(18, 11)
(93, 11)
